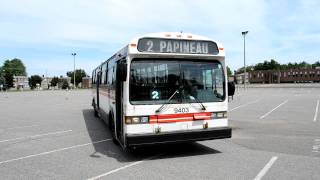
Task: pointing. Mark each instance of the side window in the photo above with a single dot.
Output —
(110, 72)
(95, 76)
(113, 77)
(92, 80)
(106, 76)
(103, 74)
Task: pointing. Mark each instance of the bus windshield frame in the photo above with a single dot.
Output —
(153, 81)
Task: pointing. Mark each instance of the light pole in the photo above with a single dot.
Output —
(74, 69)
(244, 33)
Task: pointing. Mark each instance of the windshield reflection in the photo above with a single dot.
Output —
(154, 81)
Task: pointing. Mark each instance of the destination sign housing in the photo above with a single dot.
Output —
(158, 45)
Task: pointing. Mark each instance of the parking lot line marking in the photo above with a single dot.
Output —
(34, 136)
(123, 167)
(115, 170)
(53, 151)
(19, 127)
(246, 104)
(266, 168)
(316, 113)
(265, 115)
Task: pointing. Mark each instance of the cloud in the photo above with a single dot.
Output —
(97, 29)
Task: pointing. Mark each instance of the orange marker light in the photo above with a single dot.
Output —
(189, 36)
(179, 36)
(167, 35)
(133, 45)
(221, 48)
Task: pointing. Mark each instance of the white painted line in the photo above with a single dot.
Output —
(123, 167)
(265, 115)
(19, 127)
(35, 136)
(266, 168)
(115, 170)
(316, 113)
(246, 104)
(53, 151)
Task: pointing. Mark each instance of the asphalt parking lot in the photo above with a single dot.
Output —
(54, 135)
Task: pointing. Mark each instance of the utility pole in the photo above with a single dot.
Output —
(244, 33)
(74, 69)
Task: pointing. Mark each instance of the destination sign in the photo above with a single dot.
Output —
(157, 45)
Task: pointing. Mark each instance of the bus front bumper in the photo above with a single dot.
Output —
(179, 136)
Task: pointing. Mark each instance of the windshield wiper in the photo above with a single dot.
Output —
(198, 101)
(168, 101)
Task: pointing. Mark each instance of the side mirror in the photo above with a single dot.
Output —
(122, 71)
(231, 88)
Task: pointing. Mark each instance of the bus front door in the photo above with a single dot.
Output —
(98, 86)
(119, 106)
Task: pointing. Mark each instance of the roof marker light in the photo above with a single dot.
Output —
(133, 45)
(221, 48)
(189, 36)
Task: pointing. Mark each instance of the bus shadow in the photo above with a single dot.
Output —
(98, 131)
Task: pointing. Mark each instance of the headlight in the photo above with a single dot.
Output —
(225, 115)
(218, 115)
(136, 119)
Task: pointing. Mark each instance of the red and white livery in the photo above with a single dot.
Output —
(163, 88)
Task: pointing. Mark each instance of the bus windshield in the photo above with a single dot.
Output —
(154, 81)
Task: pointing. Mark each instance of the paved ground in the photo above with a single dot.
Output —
(54, 135)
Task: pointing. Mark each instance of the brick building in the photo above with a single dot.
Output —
(86, 82)
(285, 76)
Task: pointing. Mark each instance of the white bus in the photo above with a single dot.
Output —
(163, 88)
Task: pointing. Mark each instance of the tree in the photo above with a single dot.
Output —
(11, 68)
(80, 73)
(64, 84)
(34, 80)
(2, 79)
(316, 64)
(54, 81)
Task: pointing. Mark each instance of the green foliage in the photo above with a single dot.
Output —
(266, 65)
(34, 80)
(11, 68)
(274, 65)
(80, 73)
(54, 81)
(2, 79)
(316, 64)
(248, 69)
(64, 84)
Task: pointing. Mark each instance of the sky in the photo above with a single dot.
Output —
(44, 33)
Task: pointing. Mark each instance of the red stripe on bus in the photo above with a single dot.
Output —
(170, 118)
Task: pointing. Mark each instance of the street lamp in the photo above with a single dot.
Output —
(244, 33)
(74, 69)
